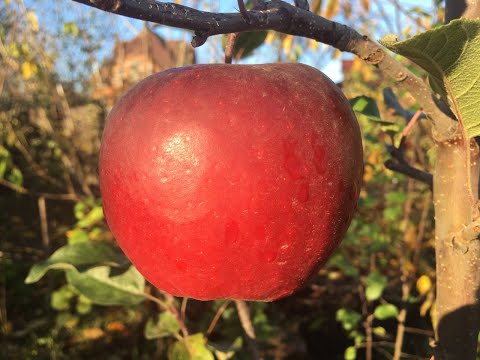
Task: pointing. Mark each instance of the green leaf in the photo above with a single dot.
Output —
(396, 198)
(70, 28)
(4, 157)
(376, 283)
(74, 255)
(348, 318)
(385, 311)
(247, 42)
(60, 299)
(350, 353)
(84, 305)
(97, 285)
(65, 319)
(451, 56)
(341, 262)
(191, 348)
(365, 106)
(94, 216)
(392, 214)
(227, 352)
(3, 167)
(76, 236)
(380, 331)
(15, 177)
(166, 325)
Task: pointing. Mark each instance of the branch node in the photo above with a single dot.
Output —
(199, 39)
(375, 57)
(401, 76)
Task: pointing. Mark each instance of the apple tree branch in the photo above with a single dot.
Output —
(288, 19)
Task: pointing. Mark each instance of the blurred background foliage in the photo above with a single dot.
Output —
(61, 68)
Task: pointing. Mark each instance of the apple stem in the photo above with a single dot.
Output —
(244, 315)
(229, 47)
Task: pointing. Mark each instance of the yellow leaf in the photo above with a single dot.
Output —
(424, 284)
(13, 50)
(367, 73)
(33, 20)
(427, 305)
(374, 157)
(116, 326)
(28, 70)
(410, 236)
(347, 9)
(313, 44)
(331, 9)
(408, 267)
(368, 174)
(70, 324)
(316, 6)
(407, 31)
(366, 5)
(287, 44)
(270, 37)
(357, 65)
(92, 333)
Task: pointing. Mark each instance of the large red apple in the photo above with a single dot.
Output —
(231, 181)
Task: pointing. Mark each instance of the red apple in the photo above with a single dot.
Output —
(231, 181)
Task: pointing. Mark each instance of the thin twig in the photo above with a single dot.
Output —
(243, 10)
(285, 18)
(24, 191)
(215, 319)
(410, 171)
(419, 331)
(42, 210)
(369, 337)
(244, 315)
(409, 128)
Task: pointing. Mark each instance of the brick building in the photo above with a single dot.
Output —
(134, 60)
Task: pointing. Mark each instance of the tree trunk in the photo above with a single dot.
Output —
(457, 262)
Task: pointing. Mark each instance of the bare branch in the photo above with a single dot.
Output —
(285, 18)
(410, 171)
(21, 190)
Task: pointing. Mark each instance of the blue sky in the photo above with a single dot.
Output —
(126, 28)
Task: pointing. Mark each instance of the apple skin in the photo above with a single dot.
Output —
(231, 181)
